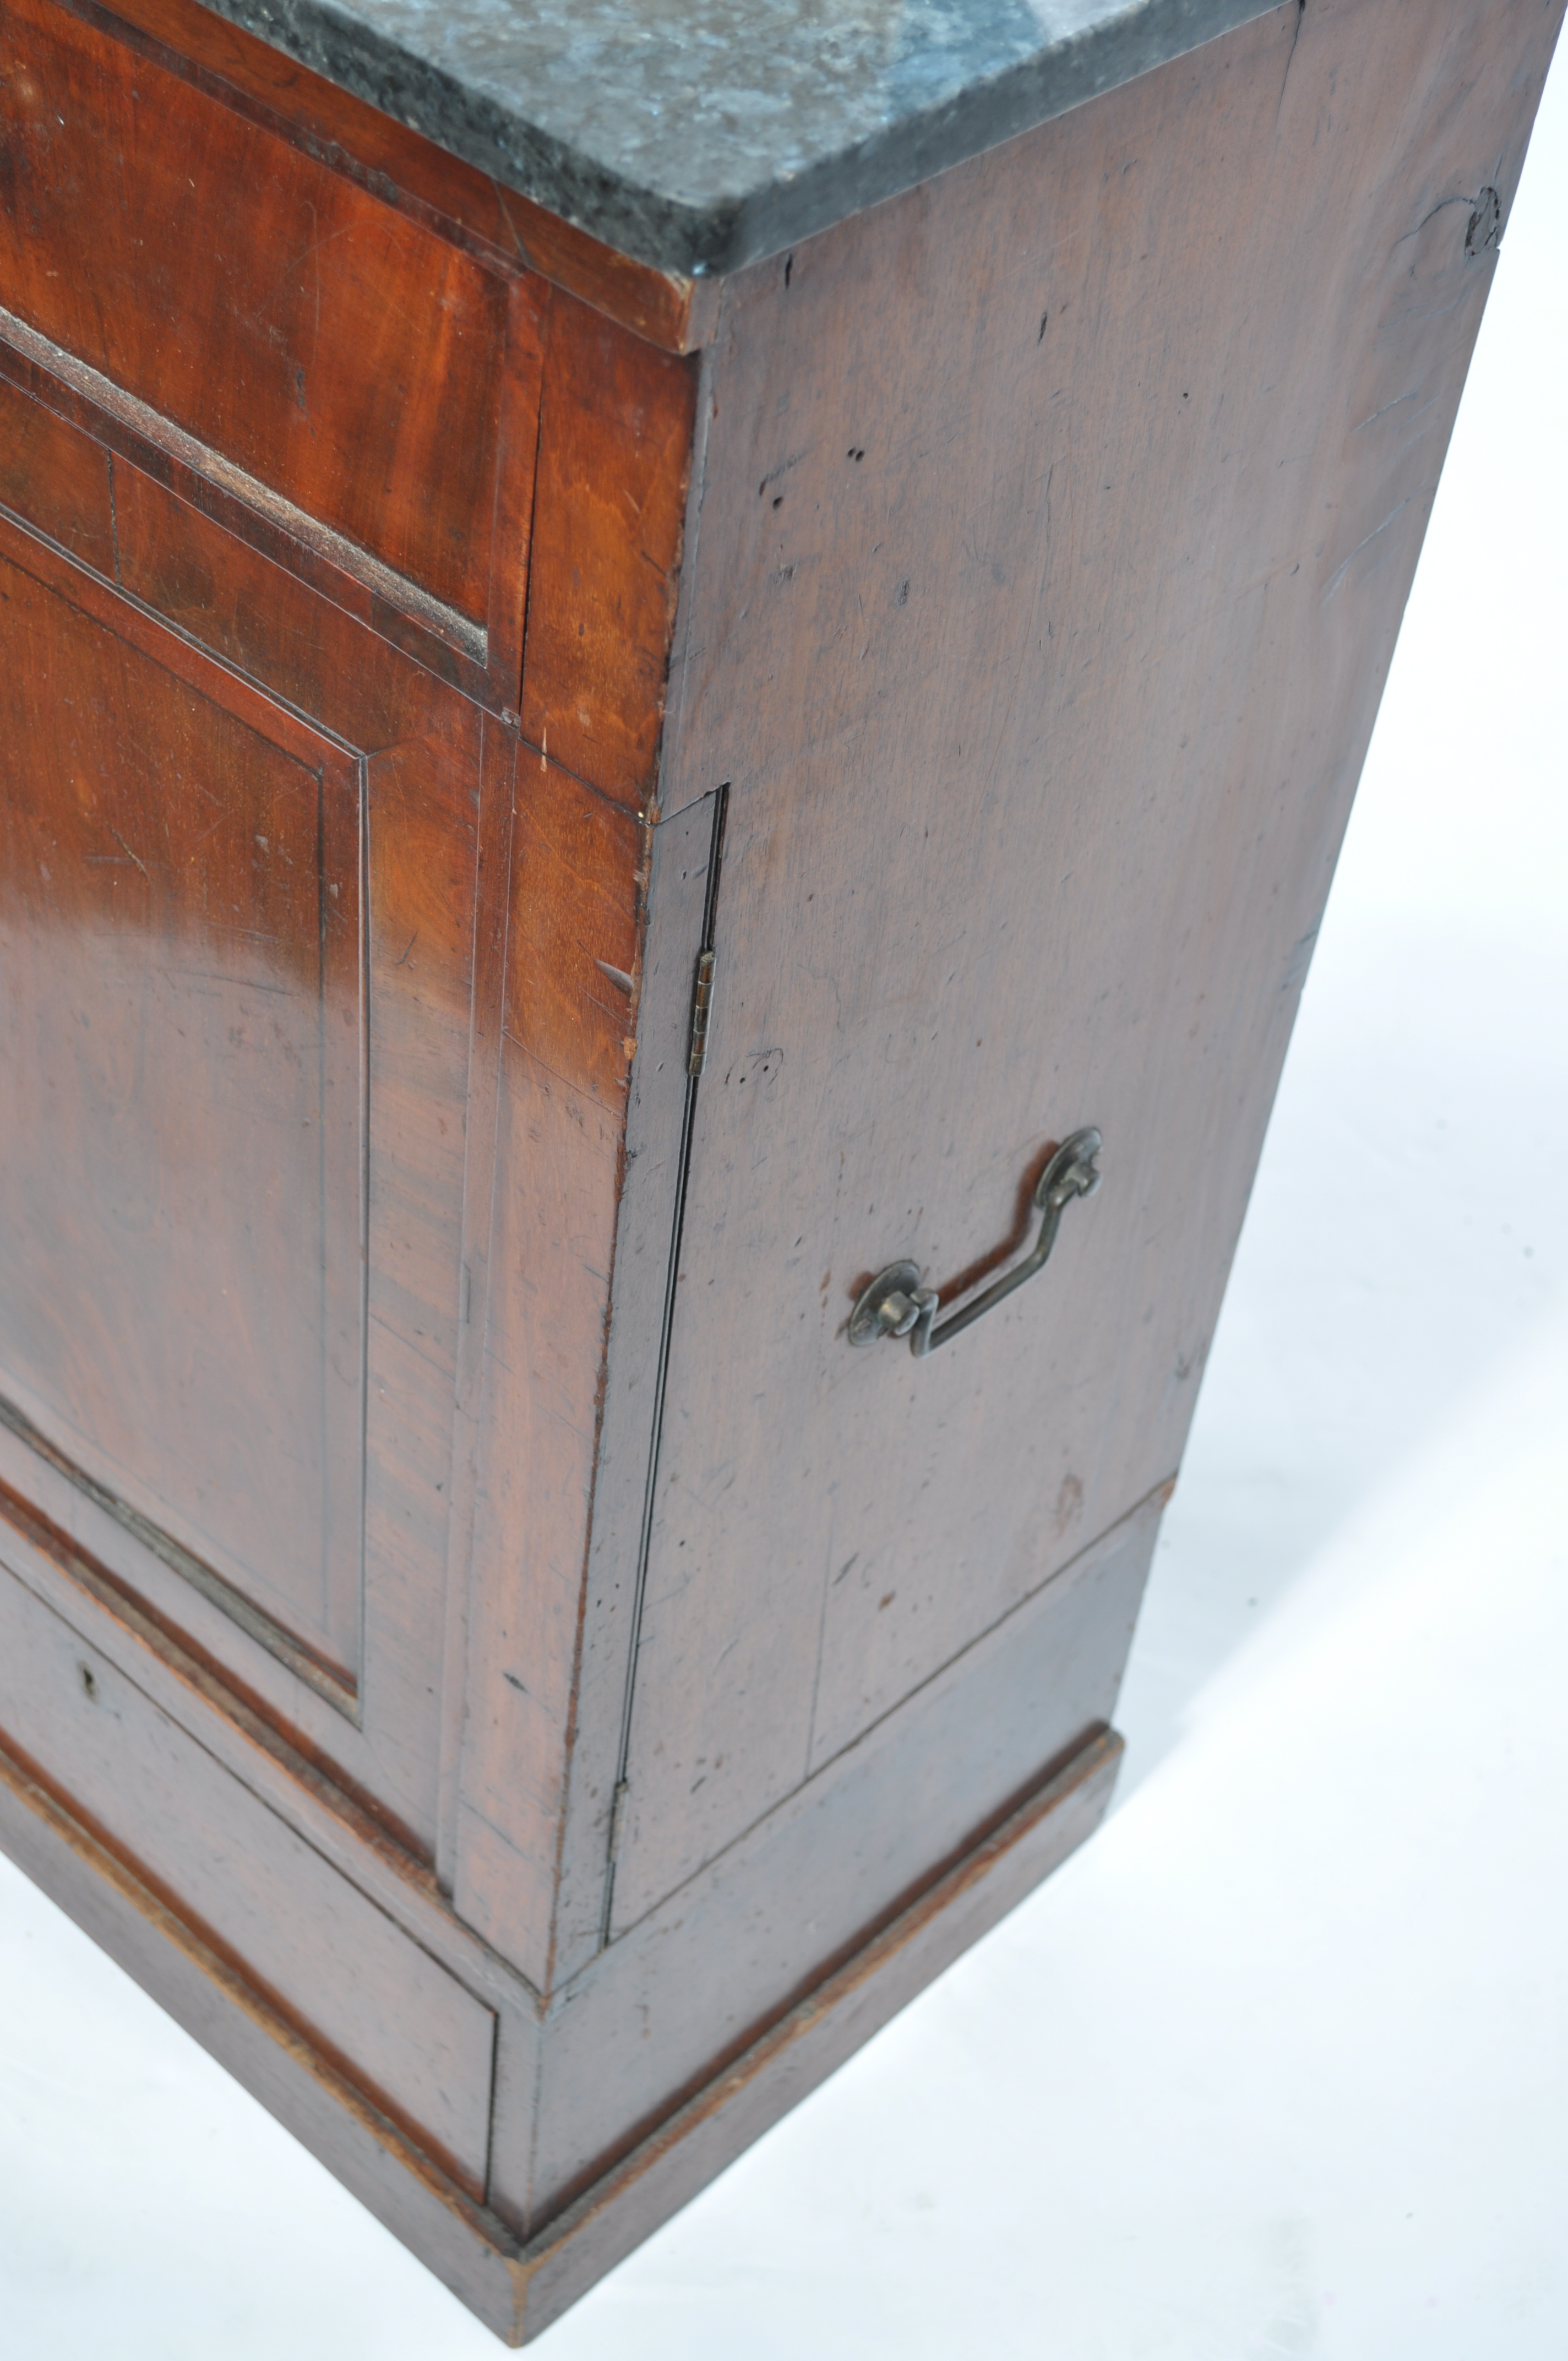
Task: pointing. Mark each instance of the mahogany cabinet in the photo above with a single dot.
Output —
(584, 769)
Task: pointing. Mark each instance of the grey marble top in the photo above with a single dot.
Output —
(697, 135)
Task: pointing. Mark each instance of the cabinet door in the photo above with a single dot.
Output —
(235, 954)
(182, 1165)
(266, 431)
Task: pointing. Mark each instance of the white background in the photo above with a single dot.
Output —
(1279, 2065)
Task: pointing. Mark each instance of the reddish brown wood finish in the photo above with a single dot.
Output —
(614, 447)
(303, 345)
(614, 450)
(413, 751)
(321, 340)
(464, 2243)
(182, 954)
(491, 1014)
(401, 2026)
(566, 1047)
(124, 431)
(1057, 519)
(410, 171)
(58, 481)
(67, 479)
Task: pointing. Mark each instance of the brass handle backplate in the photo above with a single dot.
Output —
(896, 1304)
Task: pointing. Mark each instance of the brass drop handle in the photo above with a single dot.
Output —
(895, 1303)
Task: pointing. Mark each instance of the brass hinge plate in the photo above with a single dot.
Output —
(702, 1004)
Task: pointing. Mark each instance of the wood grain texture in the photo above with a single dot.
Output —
(703, 1975)
(468, 2250)
(612, 473)
(67, 473)
(184, 1127)
(1056, 519)
(419, 756)
(576, 901)
(1043, 680)
(401, 2028)
(680, 882)
(325, 343)
(189, 547)
(130, 435)
(515, 491)
(492, 895)
(340, 378)
(573, 939)
(56, 479)
(564, 2258)
(405, 169)
(615, 436)
(519, 2287)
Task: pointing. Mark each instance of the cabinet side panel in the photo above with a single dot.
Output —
(1058, 523)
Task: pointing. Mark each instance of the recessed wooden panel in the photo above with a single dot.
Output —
(332, 348)
(181, 1037)
(419, 744)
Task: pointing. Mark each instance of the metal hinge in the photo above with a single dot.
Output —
(618, 1817)
(702, 1004)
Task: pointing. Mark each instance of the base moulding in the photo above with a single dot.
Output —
(520, 2287)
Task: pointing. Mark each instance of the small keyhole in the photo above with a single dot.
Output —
(89, 1680)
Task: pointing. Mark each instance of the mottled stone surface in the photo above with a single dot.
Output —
(698, 134)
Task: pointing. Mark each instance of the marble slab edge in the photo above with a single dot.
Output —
(733, 227)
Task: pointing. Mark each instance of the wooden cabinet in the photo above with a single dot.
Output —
(556, 815)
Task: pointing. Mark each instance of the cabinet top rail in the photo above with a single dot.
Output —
(698, 135)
